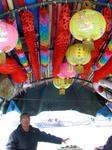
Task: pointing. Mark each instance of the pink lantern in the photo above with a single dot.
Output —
(67, 70)
(8, 37)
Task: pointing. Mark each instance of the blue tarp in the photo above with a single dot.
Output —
(12, 107)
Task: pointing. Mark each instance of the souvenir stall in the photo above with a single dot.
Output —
(58, 42)
(56, 47)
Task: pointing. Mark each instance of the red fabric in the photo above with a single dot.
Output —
(100, 89)
(19, 77)
(87, 69)
(103, 72)
(62, 39)
(4, 4)
(19, 3)
(98, 45)
(27, 21)
(54, 23)
(11, 67)
(107, 13)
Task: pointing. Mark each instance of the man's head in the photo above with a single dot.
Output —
(25, 121)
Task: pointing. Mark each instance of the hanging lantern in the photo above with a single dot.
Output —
(8, 39)
(78, 55)
(62, 84)
(87, 25)
(67, 70)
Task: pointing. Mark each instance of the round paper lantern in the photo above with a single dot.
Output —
(78, 55)
(62, 84)
(67, 70)
(87, 24)
(8, 37)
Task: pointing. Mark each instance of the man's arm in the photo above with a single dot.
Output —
(45, 137)
(12, 142)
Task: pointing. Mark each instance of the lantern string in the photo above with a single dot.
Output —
(51, 2)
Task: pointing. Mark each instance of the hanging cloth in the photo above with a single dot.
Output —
(4, 5)
(105, 57)
(34, 11)
(62, 39)
(12, 68)
(103, 72)
(27, 21)
(44, 39)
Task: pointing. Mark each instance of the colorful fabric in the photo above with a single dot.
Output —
(44, 35)
(27, 21)
(103, 60)
(103, 72)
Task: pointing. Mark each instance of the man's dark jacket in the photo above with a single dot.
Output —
(21, 140)
(108, 145)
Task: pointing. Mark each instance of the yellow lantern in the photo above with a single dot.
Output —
(87, 25)
(78, 55)
(62, 84)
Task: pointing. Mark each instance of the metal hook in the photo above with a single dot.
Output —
(108, 5)
(25, 7)
(43, 3)
(54, 2)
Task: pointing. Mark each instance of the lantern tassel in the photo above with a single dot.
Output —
(88, 45)
(2, 58)
(62, 91)
(79, 69)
